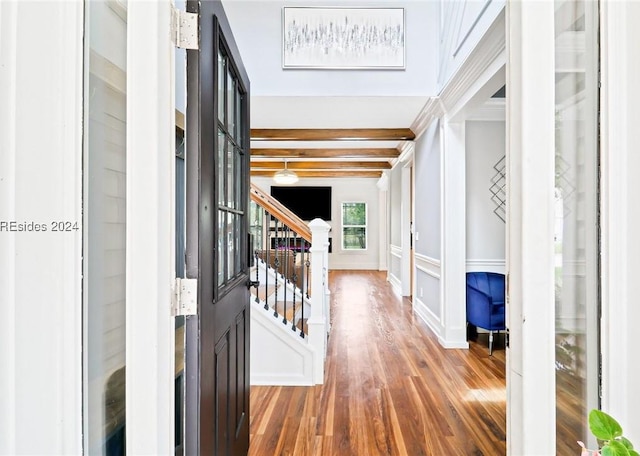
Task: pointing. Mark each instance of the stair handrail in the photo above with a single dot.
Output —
(281, 212)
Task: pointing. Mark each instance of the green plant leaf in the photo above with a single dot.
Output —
(604, 426)
(626, 442)
(633, 453)
(615, 448)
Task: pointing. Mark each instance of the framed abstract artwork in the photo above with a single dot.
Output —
(343, 38)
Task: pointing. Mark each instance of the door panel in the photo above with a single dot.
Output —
(217, 380)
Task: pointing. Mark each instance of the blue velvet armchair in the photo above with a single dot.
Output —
(485, 302)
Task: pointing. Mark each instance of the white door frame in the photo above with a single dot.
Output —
(150, 264)
(620, 220)
(531, 395)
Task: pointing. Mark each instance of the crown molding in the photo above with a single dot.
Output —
(432, 109)
(486, 59)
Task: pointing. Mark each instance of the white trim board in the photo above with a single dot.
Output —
(41, 83)
(486, 265)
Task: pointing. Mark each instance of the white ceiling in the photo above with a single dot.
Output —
(333, 112)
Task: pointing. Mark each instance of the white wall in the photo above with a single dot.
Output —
(257, 27)
(485, 146)
(395, 195)
(346, 190)
(462, 24)
(395, 228)
(41, 48)
(427, 231)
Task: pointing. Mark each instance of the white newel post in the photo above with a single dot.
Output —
(318, 321)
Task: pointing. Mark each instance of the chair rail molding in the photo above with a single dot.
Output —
(487, 265)
(428, 265)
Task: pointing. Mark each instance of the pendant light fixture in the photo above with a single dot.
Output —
(285, 176)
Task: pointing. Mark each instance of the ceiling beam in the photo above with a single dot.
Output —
(336, 173)
(317, 165)
(332, 134)
(326, 153)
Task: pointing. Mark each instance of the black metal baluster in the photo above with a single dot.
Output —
(302, 315)
(267, 248)
(308, 265)
(276, 266)
(295, 280)
(285, 269)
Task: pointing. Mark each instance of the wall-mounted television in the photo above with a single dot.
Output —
(306, 202)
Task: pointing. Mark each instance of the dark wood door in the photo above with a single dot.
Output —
(217, 339)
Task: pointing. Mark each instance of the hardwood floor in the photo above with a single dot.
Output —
(390, 388)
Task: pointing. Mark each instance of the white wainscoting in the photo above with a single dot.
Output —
(392, 275)
(431, 267)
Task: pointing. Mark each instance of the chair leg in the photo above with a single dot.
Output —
(490, 343)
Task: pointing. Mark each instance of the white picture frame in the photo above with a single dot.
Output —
(343, 38)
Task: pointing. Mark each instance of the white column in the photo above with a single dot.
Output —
(41, 78)
(383, 223)
(317, 323)
(620, 186)
(530, 210)
(453, 218)
(150, 233)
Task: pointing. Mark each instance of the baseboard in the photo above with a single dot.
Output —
(336, 265)
(430, 319)
(396, 285)
(454, 345)
(434, 324)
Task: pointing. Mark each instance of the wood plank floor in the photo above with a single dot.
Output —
(390, 388)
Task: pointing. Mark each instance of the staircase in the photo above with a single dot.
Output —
(290, 306)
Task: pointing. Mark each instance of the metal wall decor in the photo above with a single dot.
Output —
(498, 189)
(343, 38)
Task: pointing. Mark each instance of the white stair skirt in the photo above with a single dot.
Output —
(279, 356)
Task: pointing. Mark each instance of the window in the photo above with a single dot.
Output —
(354, 226)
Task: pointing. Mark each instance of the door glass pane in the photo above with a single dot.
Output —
(231, 219)
(220, 173)
(104, 221)
(236, 239)
(576, 221)
(231, 174)
(238, 180)
(222, 72)
(231, 103)
(238, 98)
(222, 223)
